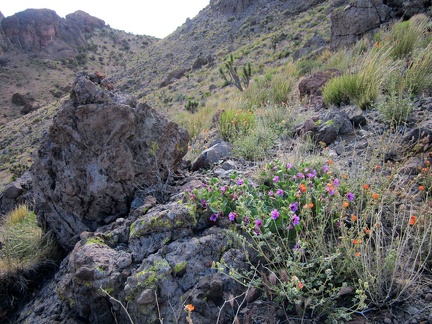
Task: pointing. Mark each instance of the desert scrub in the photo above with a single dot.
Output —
(233, 123)
(395, 107)
(331, 243)
(24, 245)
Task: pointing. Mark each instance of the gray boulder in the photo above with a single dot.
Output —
(357, 19)
(95, 155)
(211, 155)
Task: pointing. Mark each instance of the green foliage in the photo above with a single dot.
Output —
(418, 75)
(192, 105)
(231, 75)
(395, 107)
(403, 39)
(326, 247)
(233, 123)
(340, 90)
(24, 244)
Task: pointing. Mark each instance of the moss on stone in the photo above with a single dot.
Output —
(179, 267)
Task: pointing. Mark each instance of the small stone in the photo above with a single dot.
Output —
(388, 321)
(146, 297)
(428, 297)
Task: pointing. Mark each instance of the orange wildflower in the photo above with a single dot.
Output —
(375, 196)
(189, 308)
(353, 217)
(367, 231)
(300, 285)
(302, 187)
(345, 176)
(413, 220)
(421, 188)
(377, 167)
(355, 241)
(365, 186)
(357, 254)
(330, 162)
(345, 204)
(311, 205)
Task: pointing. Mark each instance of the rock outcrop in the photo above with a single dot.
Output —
(99, 150)
(225, 7)
(152, 281)
(364, 17)
(35, 30)
(356, 20)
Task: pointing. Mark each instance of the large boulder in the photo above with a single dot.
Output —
(106, 270)
(99, 150)
(356, 20)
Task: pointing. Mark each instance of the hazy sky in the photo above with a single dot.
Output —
(147, 17)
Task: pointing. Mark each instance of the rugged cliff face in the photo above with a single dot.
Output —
(36, 30)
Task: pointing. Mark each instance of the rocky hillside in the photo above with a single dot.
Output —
(145, 233)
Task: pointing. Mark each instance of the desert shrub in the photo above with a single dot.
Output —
(340, 90)
(274, 87)
(418, 75)
(23, 243)
(330, 243)
(234, 123)
(192, 105)
(404, 37)
(395, 107)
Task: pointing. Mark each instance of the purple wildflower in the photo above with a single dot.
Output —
(274, 214)
(232, 216)
(223, 189)
(350, 196)
(295, 220)
(204, 203)
(289, 166)
(296, 246)
(203, 185)
(214, 217)
(257, 230)
(280, 192)
(275, 168)
(300, 175)
(293, 207)
(234, 197)
(240, 182)
(276, 179)
(246, 220)
(325, 168)
(258, 223)
(271, 193)
(336, 182)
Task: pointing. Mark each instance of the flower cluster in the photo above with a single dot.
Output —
(287, 199)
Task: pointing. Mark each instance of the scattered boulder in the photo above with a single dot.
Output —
(211, 155)
(15, 193)
(328, 127)
(173, 77)
(98, 150)
(312, 84)
(420, 138)
(20, 99)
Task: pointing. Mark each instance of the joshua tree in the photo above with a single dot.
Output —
(241, 82)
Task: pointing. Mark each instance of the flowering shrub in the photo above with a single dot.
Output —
(292, 218)
(322, 246)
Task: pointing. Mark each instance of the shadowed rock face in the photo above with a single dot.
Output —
(42, 29)
(98, 150)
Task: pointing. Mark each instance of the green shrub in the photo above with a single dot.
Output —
(234, 123)
(418, 75)
(395, 107)
(341, 90)
(403, 39)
